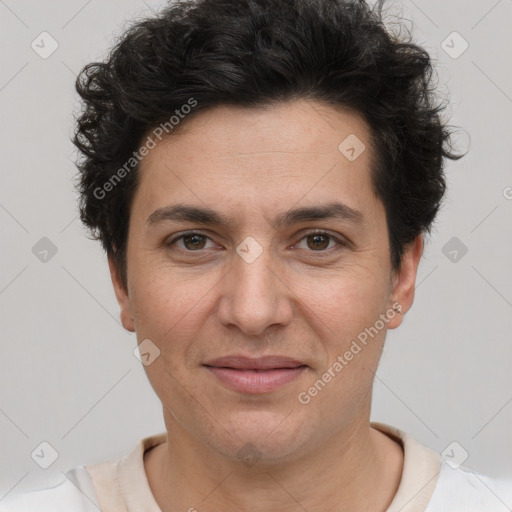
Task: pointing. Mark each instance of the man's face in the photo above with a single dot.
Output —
(262, 283)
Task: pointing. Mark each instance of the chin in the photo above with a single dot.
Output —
(258, 435)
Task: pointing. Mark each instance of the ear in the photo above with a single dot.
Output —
(404, 281)
(122, 296)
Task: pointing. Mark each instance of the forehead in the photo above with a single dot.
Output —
(300, 151)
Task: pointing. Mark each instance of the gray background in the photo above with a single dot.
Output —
(68, 375)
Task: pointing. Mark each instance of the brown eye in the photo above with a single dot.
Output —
(190, 242)
(318, 241)
(321, 242)
(194, 241)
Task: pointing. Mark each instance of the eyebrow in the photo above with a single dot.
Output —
(200, 215)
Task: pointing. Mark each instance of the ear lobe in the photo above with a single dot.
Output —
(122, 296)
(404, 281)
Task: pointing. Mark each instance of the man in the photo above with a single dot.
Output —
(261, 174)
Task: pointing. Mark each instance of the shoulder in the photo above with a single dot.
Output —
(430, 481)
(73, 492)
(463, 489)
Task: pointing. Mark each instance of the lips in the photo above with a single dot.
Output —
(255, 375)
(260, 363)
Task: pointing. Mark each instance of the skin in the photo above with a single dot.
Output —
(303, 297)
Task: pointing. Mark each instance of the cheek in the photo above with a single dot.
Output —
(346, 300)
(170, 310)
(347, 316)
(347, 322)
(171, 317)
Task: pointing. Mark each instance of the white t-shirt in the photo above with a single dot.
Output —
(428, 484)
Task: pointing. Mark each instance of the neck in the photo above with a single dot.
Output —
(357, 469)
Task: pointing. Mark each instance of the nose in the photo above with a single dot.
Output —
(255, 297)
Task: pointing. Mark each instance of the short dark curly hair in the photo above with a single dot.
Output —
(254, 53)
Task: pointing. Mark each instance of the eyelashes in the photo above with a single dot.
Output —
(199, 237)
